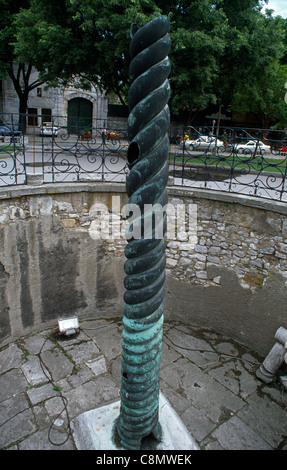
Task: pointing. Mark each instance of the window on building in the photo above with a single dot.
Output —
(32, 117)
(39, 92)
(46, 115)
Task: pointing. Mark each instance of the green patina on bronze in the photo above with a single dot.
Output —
(148, 126)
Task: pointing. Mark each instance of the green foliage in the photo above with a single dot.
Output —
(261, 86)
(284, 28)
(223, 51)
(8, 9)
(88, 38)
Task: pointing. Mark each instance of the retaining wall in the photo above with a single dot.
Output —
(232, 279)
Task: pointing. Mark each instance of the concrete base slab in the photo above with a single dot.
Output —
(95, 429)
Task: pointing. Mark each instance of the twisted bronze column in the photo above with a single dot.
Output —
(148, 125)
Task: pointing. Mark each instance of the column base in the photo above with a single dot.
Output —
(264, 375)
(96, 430)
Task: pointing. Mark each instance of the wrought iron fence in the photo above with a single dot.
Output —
(12, 155)
(244, 161)
(251, 162)
(61, 149)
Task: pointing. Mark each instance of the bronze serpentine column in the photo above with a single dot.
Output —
(148, 126)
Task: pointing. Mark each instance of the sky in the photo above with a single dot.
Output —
(279, 7)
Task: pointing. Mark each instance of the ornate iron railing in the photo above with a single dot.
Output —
(70, 150)
(244, 161)
(12, 154)
(61, 150)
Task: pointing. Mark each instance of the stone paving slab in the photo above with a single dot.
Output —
(195, 349)
(234, 376)
(10, 358)
(209, 380)
(236, 435)
(201, 390)
(39, 441)
(273, 419)
(17, 428)
(33, 371)
(11, 383)
(57, 363)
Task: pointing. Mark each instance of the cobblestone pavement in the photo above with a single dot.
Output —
(46, 380)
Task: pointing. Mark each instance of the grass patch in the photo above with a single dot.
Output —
(234, 161)
(9, 149)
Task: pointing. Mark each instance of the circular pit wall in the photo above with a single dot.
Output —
(62, 254)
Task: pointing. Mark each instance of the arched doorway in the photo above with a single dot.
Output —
(80, 115)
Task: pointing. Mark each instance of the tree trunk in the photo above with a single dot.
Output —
(218, 118)
(21, 79)
(23, 101)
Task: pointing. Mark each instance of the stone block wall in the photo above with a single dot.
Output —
(232, 278)
(50, 267)
(247, 240)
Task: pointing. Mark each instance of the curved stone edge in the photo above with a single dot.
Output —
(11, 192)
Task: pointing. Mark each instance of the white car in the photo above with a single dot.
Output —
(48, 129)
(203, 142)
(250, 146)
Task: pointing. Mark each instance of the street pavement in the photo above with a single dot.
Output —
(47, 380)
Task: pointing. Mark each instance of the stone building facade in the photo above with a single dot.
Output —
(46, 104)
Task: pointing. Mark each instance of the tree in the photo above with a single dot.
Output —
(91, 39)
(19, 72)
(284, 58)
(198, 34)
(210, 45)
(222, 50)
(87, 38)
(261, 86)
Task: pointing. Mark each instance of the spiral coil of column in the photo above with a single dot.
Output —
(148, 125)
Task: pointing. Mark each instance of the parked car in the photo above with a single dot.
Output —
(48, 129)
(250, 146)
(202, 143)
(6, 131)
